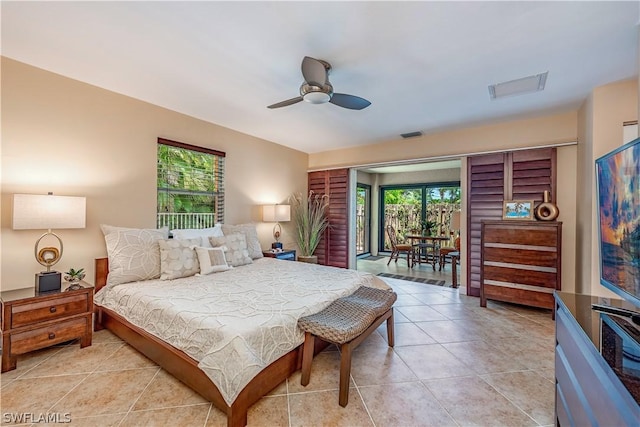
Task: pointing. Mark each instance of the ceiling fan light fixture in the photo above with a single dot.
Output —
(317, 97)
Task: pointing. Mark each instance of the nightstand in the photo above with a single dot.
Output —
(289, 255)
(32, 320)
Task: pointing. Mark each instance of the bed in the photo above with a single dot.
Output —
(269, 293)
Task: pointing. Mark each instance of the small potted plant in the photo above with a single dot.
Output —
(74, 276)
(427, 227)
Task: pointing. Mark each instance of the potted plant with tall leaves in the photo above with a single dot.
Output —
(310, 220)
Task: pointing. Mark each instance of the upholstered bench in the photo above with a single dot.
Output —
(346, 322)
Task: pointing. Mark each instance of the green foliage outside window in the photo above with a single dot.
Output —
(189, 182)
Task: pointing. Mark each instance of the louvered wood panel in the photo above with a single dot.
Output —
(484, 201)
(333, 249)
(317, 182)
(533, 172)
(338, 233)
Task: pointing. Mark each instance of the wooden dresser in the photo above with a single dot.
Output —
(31, 321)
(520, 262)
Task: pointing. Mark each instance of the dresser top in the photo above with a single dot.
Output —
(31, 292)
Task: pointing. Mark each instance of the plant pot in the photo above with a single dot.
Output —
(74, 279)
(310, 259)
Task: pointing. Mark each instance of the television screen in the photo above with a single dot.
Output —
(618, 191)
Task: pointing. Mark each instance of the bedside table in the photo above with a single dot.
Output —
(289, 255)
(32, 320)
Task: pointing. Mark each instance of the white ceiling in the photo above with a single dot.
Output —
(424, 65)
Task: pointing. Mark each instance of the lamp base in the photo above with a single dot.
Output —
(48, 281)
(276, 245)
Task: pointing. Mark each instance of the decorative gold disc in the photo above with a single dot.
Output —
(48, 256)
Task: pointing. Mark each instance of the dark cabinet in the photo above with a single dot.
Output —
(520, 262)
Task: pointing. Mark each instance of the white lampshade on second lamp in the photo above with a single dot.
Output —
(277, 214)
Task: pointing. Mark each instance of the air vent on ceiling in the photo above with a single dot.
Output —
(519, 86)
(411, 134)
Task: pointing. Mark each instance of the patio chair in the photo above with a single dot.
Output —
(445, 251)
(398, 248)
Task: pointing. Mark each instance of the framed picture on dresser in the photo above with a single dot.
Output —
(517, 209)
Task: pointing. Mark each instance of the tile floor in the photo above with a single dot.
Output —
(424, 271)
(454, 364)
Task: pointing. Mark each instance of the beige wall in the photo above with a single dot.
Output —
(604, 113)
(437, 175)
(72, 138)
(560, 128)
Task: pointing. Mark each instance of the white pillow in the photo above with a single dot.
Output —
(250, 233)
(108, 229)
(202, 233)
(235, 248)
(178, 258)
(212, 260)
(134, 254)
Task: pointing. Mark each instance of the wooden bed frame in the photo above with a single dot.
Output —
(185, 368)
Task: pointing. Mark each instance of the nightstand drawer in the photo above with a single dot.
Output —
(52, 334)
(36, 312)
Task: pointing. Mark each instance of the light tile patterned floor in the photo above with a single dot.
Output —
(454, 364)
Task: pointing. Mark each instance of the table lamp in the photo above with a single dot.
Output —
(277, 214)
(47, 212)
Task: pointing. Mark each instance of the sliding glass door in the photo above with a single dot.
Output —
(417, 208)
(363, 219)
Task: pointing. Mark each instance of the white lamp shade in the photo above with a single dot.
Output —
(45, 212)
(276, 213)
(455, 220)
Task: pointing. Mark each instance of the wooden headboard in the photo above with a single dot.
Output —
(102, 269)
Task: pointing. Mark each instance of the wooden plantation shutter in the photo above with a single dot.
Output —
(484, 201)
(534, 171)
(333, 249)
(493, 178)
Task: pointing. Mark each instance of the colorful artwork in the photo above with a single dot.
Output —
(517, 209)
(618, 175)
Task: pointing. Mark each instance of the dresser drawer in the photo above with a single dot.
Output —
(46, 336)
(42, 311)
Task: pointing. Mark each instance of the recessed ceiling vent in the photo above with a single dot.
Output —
(411, 134)
(519, 86)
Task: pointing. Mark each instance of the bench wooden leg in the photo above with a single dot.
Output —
(390, 335)
(345, 373)
(307, 358)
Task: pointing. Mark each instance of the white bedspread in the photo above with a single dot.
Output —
(237, 322)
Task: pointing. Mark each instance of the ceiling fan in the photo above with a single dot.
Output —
(316, 88)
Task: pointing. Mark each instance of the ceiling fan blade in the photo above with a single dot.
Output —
(314, 71)
(287, 102)
(349, 101)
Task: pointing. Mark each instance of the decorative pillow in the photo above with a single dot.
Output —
(178, 258)
(250, 233)
(108, 229)
(201, 233)
(212, 260)
(134, 254)
(235, 248)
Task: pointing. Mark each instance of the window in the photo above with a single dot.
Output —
(190, 185)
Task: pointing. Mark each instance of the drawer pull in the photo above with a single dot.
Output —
(52, 309)
(52, 335)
